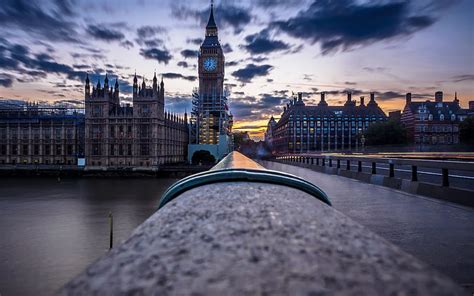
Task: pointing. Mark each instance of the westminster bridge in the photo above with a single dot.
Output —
(297, 225)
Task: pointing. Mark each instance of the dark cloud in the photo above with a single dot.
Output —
(350, 83)
(227, 48)
(6, 80)
(32, 67)
(345, 24)
(127, 44)
(179, 76)
(251, 71)
(195, 41)
(53, 22)
(146, 32)
(183, 64)
(189, 53)
(102, 32)
(146, 36)
(155, 42)
(161, 55)
(269, 4)
(81, 67)
(375, 69)
(281, 92)
(232, 63)
(261, 43)
(251, 108)
(90, 52)
(257, 59)
(177, 102)
(226, 15)
(465, 77)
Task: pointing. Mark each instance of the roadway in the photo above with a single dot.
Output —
(439, 233)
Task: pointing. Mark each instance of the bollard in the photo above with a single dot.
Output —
(317, 161)
(414, 173)
(312, 161)
(348, 165)
(338, 163)
(391, 172)
(111, 234)
(374, 168)
(330, 162)
(359, 166)
(445, 177)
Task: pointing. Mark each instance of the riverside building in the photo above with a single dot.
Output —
(303, 129)
(433, 122)
(31, 135)
(141, 136)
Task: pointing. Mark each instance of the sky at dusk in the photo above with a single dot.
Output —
(272, 48)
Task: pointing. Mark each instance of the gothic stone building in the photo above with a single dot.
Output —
(143, 136)
(303, 129)
(41, 136)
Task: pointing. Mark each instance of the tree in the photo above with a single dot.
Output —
(240, 138)
(466, 131)
(386, 133)
(203, 157)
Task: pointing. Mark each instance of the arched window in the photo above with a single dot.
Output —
(441, 117)
(430, 117)
(453, 117)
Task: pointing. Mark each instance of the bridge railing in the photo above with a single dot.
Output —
(348, 162)
(231, 231)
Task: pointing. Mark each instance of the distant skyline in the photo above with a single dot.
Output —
(272, 48)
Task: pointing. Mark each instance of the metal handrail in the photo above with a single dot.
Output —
(448, 164)
(444, 166)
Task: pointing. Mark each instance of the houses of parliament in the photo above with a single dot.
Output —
(142, 136)
(106, 134)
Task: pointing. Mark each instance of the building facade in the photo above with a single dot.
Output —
(41, 136)
(322, 128)
(211, 121)
(139, 136)
(432, 122)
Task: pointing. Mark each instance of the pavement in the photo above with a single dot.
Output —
(437, 232)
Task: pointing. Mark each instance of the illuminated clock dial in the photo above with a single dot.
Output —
(210, 64)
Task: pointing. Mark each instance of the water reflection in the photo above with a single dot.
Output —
(50, 230)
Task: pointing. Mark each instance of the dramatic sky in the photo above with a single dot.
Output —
(272, 48)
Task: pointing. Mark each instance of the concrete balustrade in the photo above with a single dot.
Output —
(248, 238)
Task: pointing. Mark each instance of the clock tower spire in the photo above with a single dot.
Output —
(211, 28)
(211, 61)
(210, 119)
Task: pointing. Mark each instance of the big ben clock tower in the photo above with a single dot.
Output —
(211, 121)
(211, 61)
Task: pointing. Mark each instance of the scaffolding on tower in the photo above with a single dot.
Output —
(210, 117)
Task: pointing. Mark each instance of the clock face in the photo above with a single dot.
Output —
(210, 64)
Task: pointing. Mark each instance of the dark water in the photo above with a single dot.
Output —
(50, 231)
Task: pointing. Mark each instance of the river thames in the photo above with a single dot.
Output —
(50, 231)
